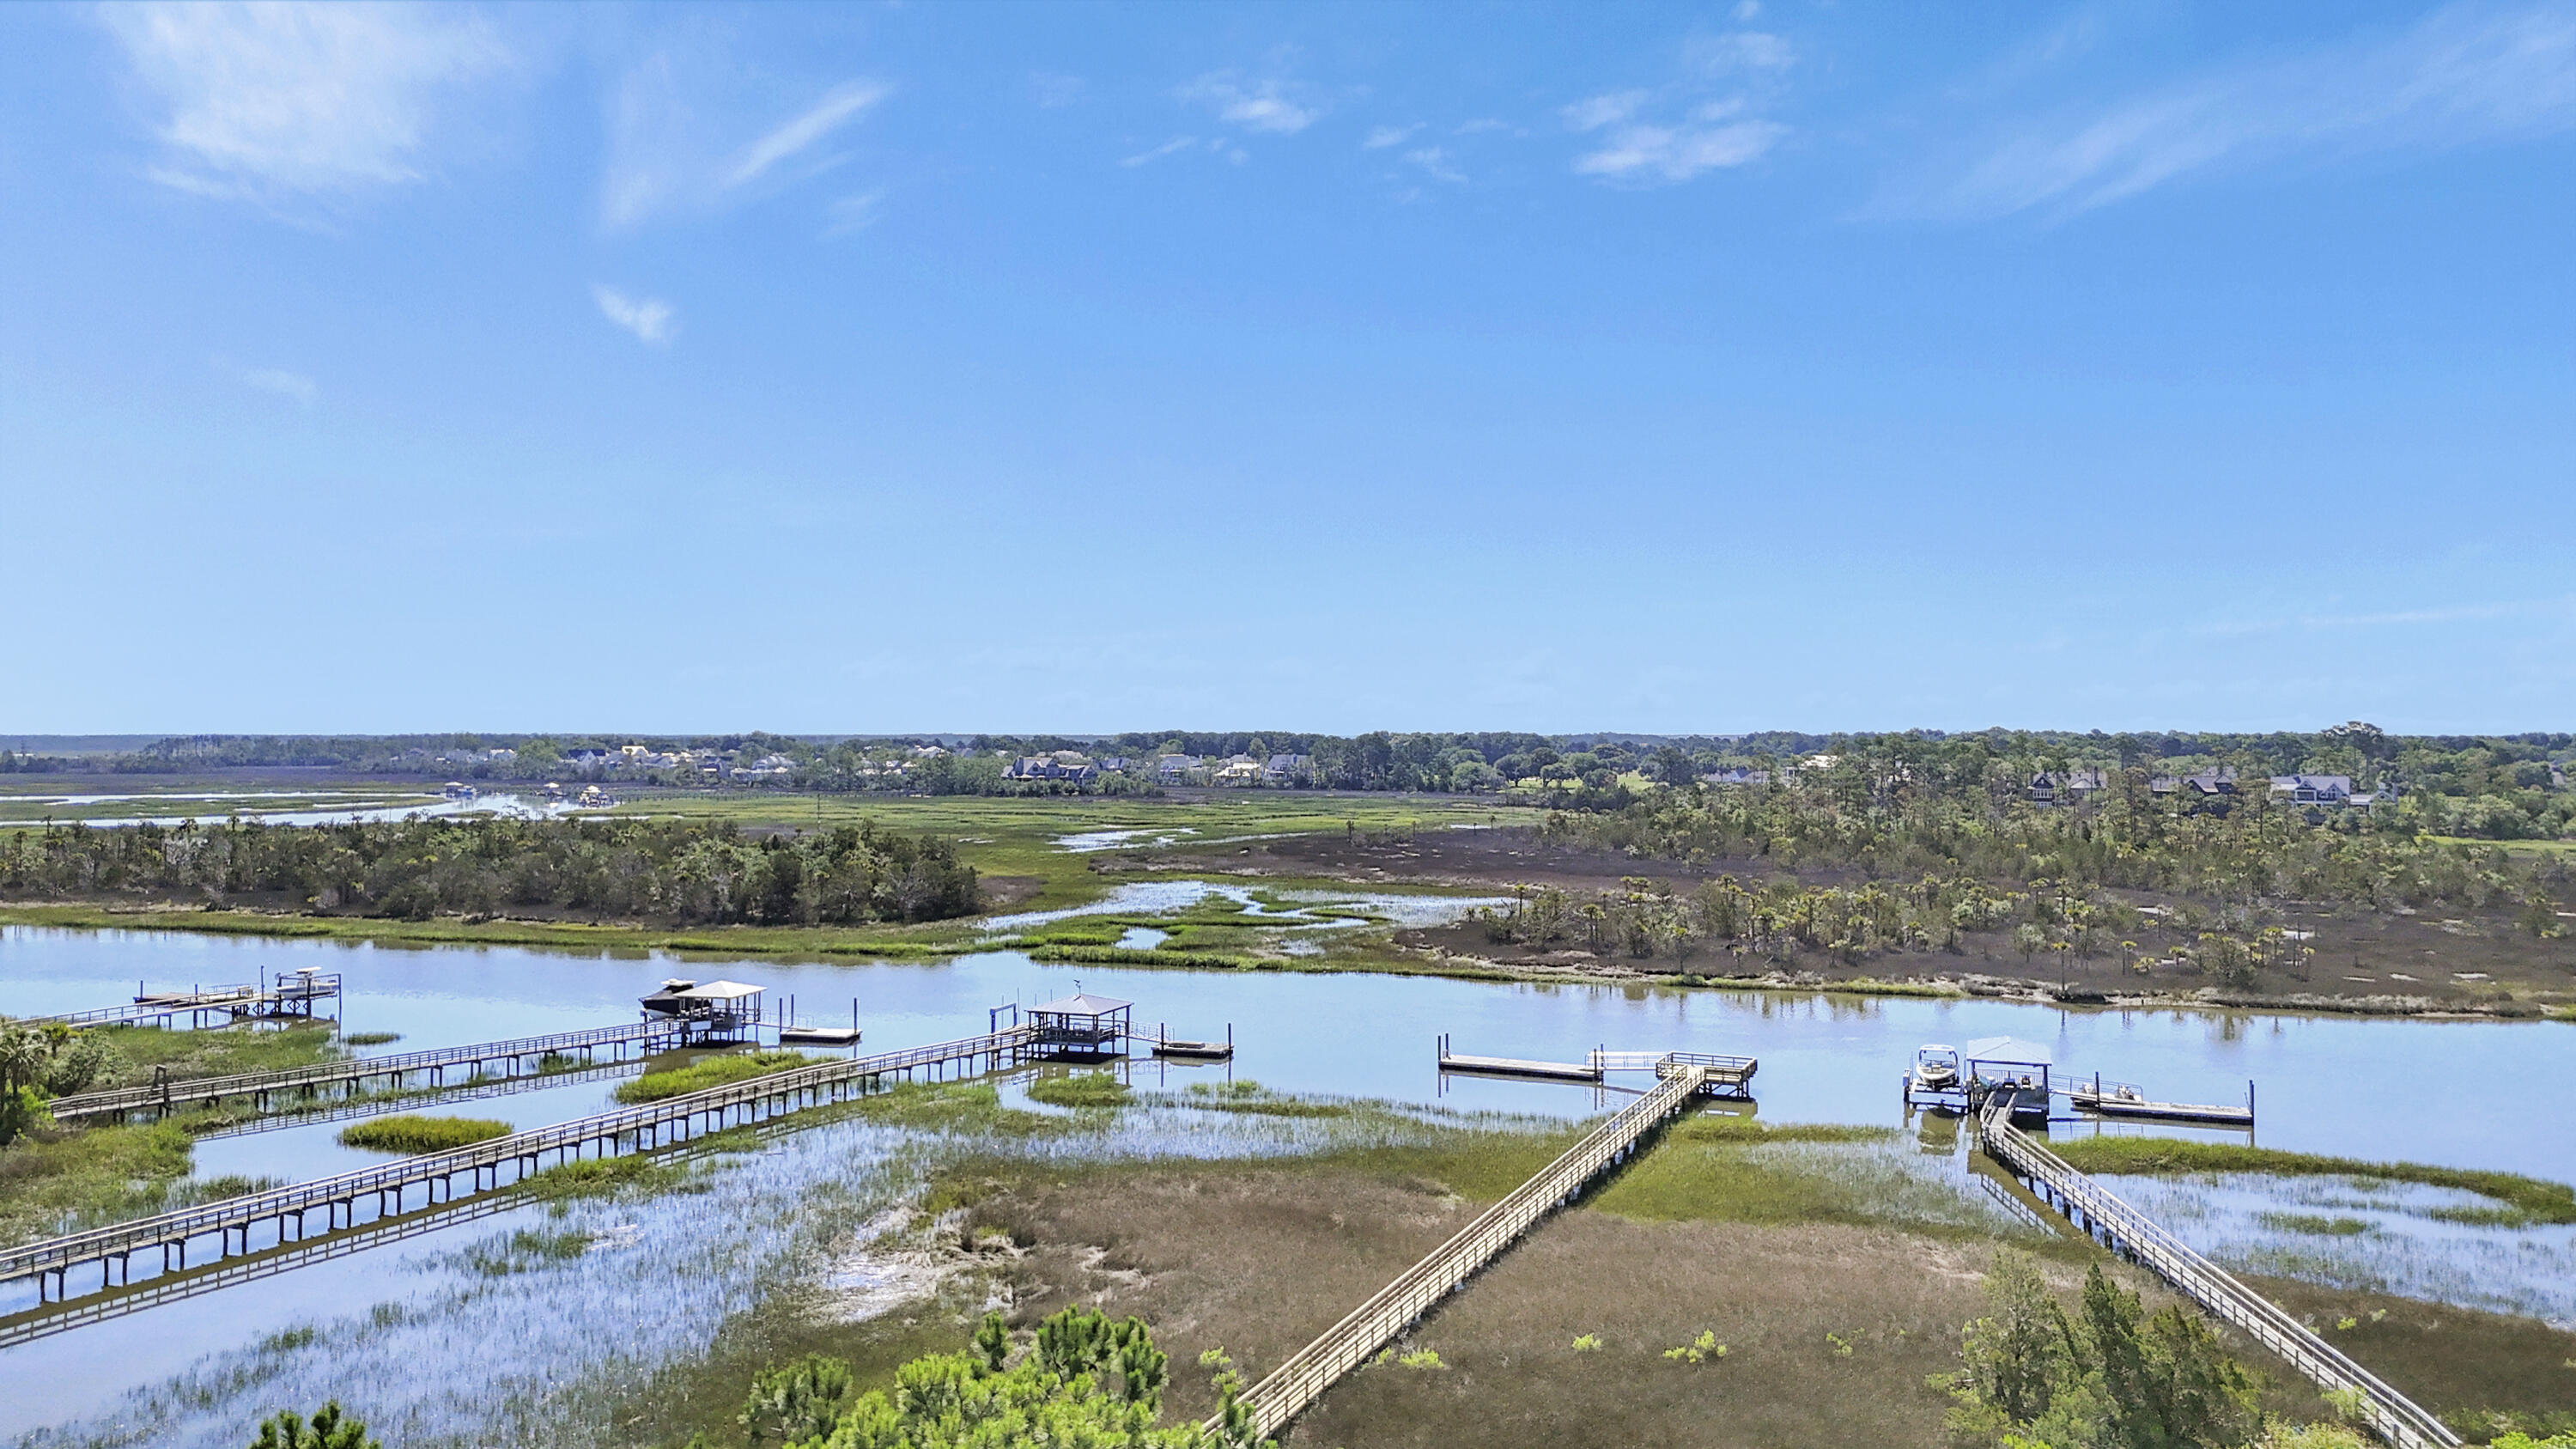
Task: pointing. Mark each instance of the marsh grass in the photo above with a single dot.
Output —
(525, 1251)
(1718, 1167)
(1081, 1089)
(714, 1071)
(2540, 1201)
(408, 1134)
(2313, 1224)
(370, 1038)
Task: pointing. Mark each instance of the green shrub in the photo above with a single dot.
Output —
(328, 1429)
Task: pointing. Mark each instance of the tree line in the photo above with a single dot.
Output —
(668, 870)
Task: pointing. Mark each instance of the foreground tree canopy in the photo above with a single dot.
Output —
(1085, 1382)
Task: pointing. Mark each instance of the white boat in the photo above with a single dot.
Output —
(1936, 1069)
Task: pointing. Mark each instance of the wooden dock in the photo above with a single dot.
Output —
(1287, 1391)
(293, 996)
(522, 1056)
(2128, 1102)
(1725, 1076)
(489, 1166)
(2389, 1414)
(1164, 1044)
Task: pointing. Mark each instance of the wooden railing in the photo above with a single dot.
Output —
(2386, 1412)
(1288, 1390)
(520, 1149)
(178, 1093)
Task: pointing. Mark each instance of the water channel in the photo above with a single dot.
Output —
(2467, 1094)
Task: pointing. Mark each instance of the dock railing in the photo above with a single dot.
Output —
(189, 1091)
(2389, 1414)
(1288, 1390)
(54, 1256)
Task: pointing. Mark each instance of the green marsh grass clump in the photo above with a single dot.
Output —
(1251, 1099)
(526, 1250)
(413, 1134)
(715, 1071)
(1081, 1089)
(370, 1038)
(1725, 1168)
(2540, 1201)
(2315, 1225)
(1124, 956)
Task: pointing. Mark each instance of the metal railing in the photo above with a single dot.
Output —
(2389, 1414)
(564, 1139)
(1285, 1392)
(175, 1093)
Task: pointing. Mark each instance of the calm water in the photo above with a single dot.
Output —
(2467, 1094)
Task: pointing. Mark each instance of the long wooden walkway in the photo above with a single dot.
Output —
(644, 1037)
(290, 997)
(2095, 1208)
(303, 1113)
(1287, 1391)
(488, 1166)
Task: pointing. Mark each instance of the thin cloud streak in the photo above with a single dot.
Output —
(2466, 75)
(828, 115)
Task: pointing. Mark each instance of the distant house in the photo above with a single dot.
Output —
(1062, 765)
(2313, 789)
(1736, 775)
(2064, 787)
(1288, 769)
(1177, 767)
(1113, 764)
(1239, 770)
(2207, 785)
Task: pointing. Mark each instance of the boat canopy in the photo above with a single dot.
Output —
(2008, 1051)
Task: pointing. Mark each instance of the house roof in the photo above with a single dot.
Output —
(1084, 1005)
(2012, 1050)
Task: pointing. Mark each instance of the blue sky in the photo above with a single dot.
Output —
(1054, 367)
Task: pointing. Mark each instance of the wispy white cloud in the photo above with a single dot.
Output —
(2466, 75)
(673, 120)
(291, 385)
(1436, 163)
(1052, 90)
(268, 100)
(855, 212)
(2562, 605)
(1677, 131)
(1381, 137)
(649, 318)
(1172, 147)
(1678, 153)
(1609, 109)
(829, 114)
(1272, 106)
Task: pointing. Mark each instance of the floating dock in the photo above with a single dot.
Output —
(1165, 1044)
(2121, 1100)
(840, 1036)
(1724, 1076)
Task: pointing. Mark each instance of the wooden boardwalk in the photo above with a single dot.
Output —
(290, 997)
(2391, 1415)
(488, 1166)
(1287, 1391)
(643, 1037)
